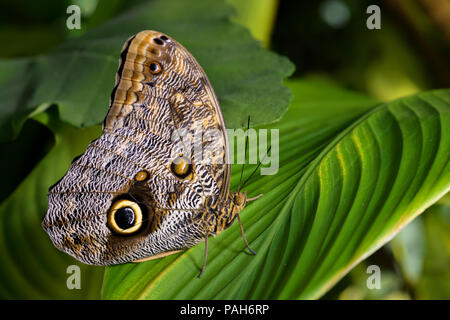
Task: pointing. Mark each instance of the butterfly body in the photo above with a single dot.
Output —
(139, 191)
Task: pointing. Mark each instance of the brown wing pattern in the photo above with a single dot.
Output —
(178, 96)
(159, 88)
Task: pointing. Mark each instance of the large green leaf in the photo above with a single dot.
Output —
(420, 268)
(79, 75)
(325, 210)
(298, 257)
(31, 268)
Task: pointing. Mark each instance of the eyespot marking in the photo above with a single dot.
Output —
(125, 217)
(142, 176)
(181, 167)
(158, 41)
(155, 68)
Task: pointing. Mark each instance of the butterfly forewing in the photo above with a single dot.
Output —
(163, 148)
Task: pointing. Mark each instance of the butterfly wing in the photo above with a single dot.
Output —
(162, 109)
(159, 73)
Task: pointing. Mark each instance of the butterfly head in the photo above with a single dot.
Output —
(239, 199)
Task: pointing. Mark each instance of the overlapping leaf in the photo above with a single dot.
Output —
(79, 75)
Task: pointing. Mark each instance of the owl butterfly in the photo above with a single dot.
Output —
(134, 194)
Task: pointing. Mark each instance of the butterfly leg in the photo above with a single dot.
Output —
(243, 235)
(206, 255)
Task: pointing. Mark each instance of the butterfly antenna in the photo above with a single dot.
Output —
(206, 255)
(245, 154)
(254, 171)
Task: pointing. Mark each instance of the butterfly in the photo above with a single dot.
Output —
(138, 192)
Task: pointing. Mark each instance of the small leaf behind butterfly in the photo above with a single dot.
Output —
(79, 75)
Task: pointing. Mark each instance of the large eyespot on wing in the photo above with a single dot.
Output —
(125, 217)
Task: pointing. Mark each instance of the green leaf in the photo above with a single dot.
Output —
(375, 177)
(31, 267)
(79, 75)
(310, 227)
(292, 227)
(326, 209)
(15, 85)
